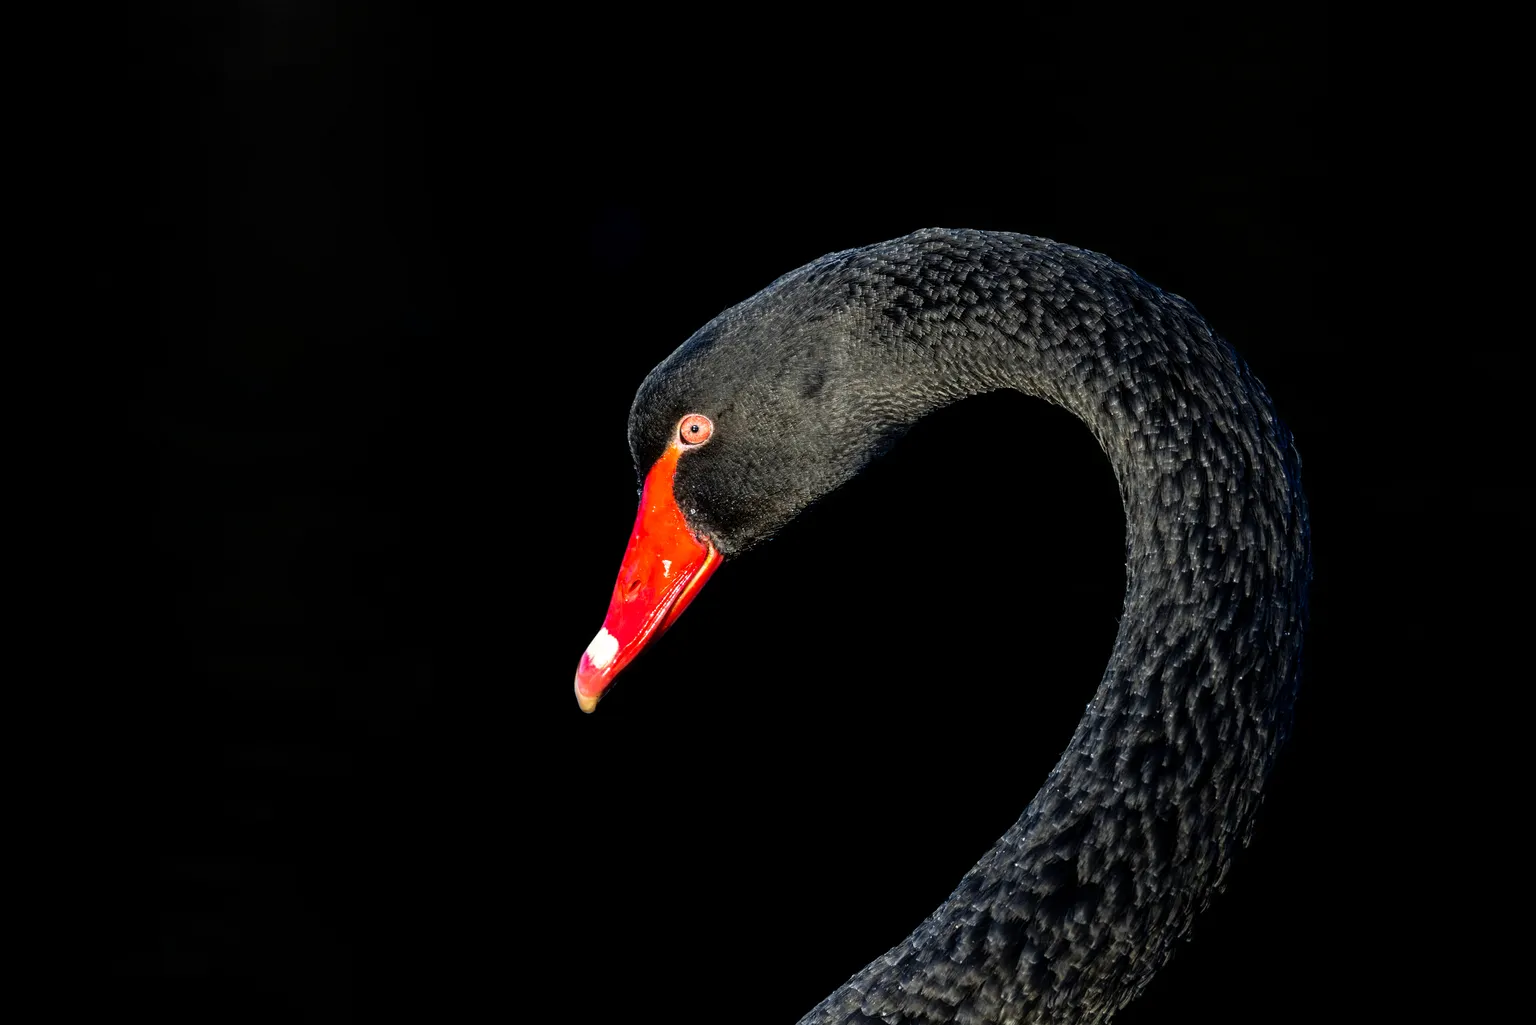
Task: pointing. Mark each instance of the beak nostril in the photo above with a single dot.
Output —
(631, 587)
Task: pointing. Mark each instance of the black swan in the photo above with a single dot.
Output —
(782, 398)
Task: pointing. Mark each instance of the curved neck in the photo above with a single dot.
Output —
(1077, 906)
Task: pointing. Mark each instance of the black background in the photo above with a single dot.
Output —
(406, 273)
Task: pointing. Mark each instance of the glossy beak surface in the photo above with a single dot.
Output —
(664, 567)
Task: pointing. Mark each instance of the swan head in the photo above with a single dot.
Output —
(770, 406)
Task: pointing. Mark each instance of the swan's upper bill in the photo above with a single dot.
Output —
(664, 567)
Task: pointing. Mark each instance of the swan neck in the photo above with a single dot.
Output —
(1134, 830)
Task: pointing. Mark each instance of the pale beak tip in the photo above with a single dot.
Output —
(588, 702)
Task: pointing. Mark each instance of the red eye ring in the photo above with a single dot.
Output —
(694, 430)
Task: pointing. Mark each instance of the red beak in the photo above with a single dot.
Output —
(664, 567)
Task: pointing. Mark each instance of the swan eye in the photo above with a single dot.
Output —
(694, 430)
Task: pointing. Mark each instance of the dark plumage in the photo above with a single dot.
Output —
(1082, 900)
